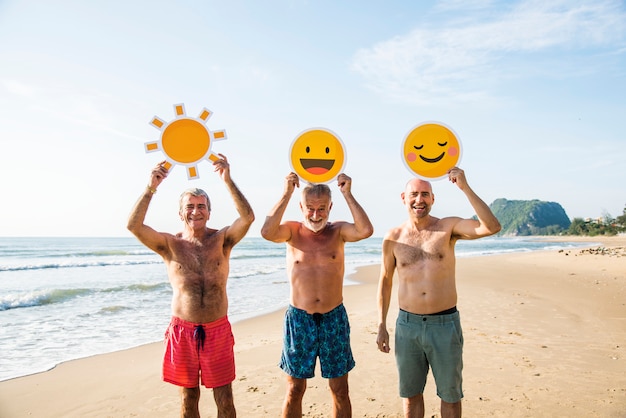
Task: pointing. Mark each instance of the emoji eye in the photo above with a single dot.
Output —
(308, 149)
(327, 150)
(420, 147)
(442, 145)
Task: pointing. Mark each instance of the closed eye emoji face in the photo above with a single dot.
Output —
(430, 150)
(317, 155)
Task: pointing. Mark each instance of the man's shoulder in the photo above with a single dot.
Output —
(448, 222)
(294, 226)
(292, 223)
(395, 232)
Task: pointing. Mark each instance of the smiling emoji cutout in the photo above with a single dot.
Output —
(430, 150)
(317, 155)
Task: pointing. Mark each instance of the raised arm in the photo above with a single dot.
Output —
(362, 227)
(272, 229)
(385, 283)
(239, 228)
(152, 239)
(487, 224)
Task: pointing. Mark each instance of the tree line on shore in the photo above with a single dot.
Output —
(607, 225)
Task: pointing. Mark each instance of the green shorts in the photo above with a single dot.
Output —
(430, 340)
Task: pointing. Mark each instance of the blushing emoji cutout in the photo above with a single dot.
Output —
(430, 150)
(185, 140)
(317, 155)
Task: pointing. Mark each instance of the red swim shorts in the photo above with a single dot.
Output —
(199, 353)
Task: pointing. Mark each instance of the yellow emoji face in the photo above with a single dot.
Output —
(317, 155)
(430, 150)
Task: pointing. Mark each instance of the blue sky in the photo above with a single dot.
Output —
(534, 89)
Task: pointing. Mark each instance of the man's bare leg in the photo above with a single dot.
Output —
(292, 407)
(342, 408)
(450, 410)
(223, 396)
(189, 399)
(414, 406)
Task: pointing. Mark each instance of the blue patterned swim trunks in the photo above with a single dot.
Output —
(308, 336)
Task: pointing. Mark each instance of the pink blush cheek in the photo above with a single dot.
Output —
(453, 151)
(411, 157)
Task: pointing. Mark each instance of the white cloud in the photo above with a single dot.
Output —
(447, 5)
(18, 88)
(462, 59)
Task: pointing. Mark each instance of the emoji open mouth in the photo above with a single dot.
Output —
(432, 160)
(316, 166)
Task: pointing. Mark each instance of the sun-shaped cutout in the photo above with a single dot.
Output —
(185, 140)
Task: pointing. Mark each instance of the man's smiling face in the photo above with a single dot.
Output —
(316, 210)
(418, 198)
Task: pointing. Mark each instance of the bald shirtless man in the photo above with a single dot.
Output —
(428, 329)
(199, 340)
(316, 322)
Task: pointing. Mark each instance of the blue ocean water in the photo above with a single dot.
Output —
(68, 298)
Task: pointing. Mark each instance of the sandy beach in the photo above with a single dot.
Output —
(545, 336)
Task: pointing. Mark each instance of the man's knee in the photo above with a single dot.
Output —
(223, 395)
(415, 401)
(190, 398)
(190, 395)
(450, 410)
(339, 387)
(296, 388)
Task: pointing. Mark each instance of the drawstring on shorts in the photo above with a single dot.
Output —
(199, 335)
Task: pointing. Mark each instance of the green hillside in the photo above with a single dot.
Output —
(530, 217)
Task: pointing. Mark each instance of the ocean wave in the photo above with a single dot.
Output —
(142, 287)
(108, 253)
(521, 246)
(53, 296)
(35, 252)
(108, 310)
(257, 271)
(39, 298)
(251, 256)
(77, 264)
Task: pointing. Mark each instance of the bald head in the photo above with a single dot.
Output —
(418, 185)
